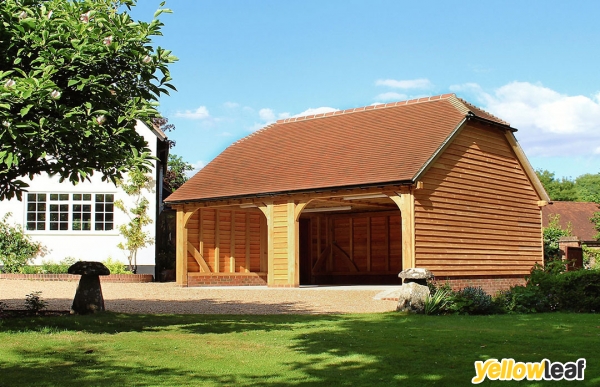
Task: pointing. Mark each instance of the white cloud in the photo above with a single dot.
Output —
(597, 151)
(313, 111)
(392, 96)
(231, 105)
(199, 114)
(267, 115)
(421, 83)
(550, 123)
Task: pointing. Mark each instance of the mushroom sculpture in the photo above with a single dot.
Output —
(88, 297)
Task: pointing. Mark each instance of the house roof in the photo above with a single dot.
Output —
(578, 214)
(387, 143)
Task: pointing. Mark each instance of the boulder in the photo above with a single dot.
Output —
(88, 296)
(411, 297)
(416, 274)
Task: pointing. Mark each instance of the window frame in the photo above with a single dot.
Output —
(52, 219)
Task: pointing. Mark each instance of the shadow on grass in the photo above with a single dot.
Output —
(347, 350)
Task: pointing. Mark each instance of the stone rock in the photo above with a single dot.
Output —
(417, 274)
(88, 268)
(411, 297)
(88, 296)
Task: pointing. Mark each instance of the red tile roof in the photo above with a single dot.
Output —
(576, 213)
(387, 143)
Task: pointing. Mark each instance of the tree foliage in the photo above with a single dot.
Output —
(175, 176)
(74, 77)
(558, 189)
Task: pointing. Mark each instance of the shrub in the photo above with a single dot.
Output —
(115, 266)
(16, 248)
(62, 267)
(521, 299)
(30, 270)
(436, 302)
(34, 302)
(471, 300)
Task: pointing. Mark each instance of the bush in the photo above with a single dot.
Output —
(62, 267)
(16, 248)
(34, 302)
(115, 266)
(470, 300)
(521, 299)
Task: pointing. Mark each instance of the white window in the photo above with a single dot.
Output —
(70, 212)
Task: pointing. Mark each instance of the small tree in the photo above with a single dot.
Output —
(552, 234)
(133, 231)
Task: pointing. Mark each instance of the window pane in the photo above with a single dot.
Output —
(87, 226)
(87, 216)
(99, 217)
(31, 217)
(108, 207)
(108, 217)
(64, 226)
(63, 196)
(31, 197)
(41, 197)
(87, 208)
(110, 198)
(53, 196)
(41, 217)
(53, 226)
(99, 197)
(53, 207)
(31, 206)
(76, 226)
(64, 208)
(108, 226)
(30, 226)
(99, 227)
(77, 207)
(41, 207)
(64, 217)
(54, 216)
(87, 196)
(99, 207)
(76, 196)
(76, 216)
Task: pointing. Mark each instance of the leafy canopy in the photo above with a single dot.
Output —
(74, 77)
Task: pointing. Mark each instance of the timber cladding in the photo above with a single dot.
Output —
(225, 241)
(478, 212)
(356, 244)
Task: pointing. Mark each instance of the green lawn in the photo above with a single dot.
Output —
(286, 350)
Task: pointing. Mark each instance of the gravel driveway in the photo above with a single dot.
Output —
(169, 298)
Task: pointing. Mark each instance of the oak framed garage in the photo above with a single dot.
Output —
(355, 196)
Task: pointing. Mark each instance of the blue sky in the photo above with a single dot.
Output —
(244, 64)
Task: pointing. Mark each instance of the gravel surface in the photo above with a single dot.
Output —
(169, 298)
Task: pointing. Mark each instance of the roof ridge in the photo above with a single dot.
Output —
(365, 108)
(475, 109)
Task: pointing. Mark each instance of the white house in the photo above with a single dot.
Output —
(81, 221)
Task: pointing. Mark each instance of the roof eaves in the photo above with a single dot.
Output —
(290, 192)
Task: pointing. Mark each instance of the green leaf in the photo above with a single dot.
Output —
(25, 110)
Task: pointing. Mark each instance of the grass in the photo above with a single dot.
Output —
(286, 350)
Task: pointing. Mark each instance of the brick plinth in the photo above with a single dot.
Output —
(490, 284)
(135, 278)
(233, 279)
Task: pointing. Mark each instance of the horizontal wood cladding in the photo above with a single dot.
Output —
(478, 212)
(356, 244)
(228, 241)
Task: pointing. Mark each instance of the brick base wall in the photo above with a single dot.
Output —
(240, 279)
(135, 278)
(491, 284)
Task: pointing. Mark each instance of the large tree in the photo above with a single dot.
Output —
(558, 189)
(74, 77)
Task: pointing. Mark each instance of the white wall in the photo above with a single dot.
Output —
(87, 245)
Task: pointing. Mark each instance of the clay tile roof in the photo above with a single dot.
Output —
(578, 214)
(386, 143)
